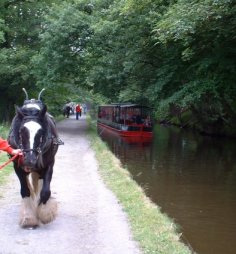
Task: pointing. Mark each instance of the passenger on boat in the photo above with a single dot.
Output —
(137, 119)
(147, 121)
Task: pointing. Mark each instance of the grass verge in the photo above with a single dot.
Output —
(6, 171)
(154, 231)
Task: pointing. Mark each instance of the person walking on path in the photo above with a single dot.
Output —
(78, 111)
(4, 146)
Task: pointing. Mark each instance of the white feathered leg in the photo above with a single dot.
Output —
(46, 212)
(28, 213)
(28, 216)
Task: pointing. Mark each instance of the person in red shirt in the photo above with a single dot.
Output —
(4, 146)
(78, 111)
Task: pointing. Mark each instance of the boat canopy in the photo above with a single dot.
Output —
(124, 105)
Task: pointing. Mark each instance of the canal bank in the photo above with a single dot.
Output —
(153, 230)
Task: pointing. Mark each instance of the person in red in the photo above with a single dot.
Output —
(78, 111)
(4, 146)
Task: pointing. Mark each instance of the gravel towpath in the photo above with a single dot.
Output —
(89, 221)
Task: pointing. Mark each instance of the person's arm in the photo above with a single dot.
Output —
(4, 146)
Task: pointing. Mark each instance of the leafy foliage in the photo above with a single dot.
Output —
(203, 32)
(176, 56)
(19, 28)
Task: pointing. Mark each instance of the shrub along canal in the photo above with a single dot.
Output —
(192, 178)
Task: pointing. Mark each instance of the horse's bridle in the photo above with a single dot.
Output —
(38, 149)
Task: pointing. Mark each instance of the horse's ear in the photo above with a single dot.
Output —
(19, 112)
(43, 111)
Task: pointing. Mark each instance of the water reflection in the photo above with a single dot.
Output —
(192, 178)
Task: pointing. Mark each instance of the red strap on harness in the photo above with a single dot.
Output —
(10, 160)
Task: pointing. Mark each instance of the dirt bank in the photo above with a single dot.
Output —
(90, 220)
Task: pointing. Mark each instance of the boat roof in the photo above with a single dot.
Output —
(124, 105)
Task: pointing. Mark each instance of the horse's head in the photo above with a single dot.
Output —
(31, 133)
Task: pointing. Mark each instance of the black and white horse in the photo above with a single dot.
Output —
(33, 130)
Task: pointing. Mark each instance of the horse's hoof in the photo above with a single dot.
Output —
(47, 212)
(29, 222)
(31, 228)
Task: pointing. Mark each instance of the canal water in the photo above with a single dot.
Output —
(192, 178)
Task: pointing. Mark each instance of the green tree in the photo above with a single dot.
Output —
(60, 62)
(20, 24)
(177, 56)
(203, 35)
(123, 59)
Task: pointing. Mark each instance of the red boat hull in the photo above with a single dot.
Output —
(124, 133)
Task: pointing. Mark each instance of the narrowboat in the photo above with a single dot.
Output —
(126, 119)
